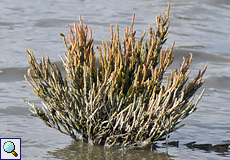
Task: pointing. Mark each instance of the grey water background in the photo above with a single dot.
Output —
(199, 26)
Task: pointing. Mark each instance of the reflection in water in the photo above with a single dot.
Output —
(80, 150)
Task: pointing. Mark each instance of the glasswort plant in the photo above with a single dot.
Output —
(121, 101)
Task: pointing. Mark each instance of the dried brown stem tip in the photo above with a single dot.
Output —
(122, 100)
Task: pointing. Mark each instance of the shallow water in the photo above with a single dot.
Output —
(200, 27)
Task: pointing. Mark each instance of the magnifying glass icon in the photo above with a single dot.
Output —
(9, 147)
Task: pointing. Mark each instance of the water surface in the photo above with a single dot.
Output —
(200, 27)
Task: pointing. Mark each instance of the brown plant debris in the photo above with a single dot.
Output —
(121, 101)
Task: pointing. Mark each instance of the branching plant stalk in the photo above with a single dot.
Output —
(121, 101)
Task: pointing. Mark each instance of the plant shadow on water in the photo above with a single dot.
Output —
(82, 150)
